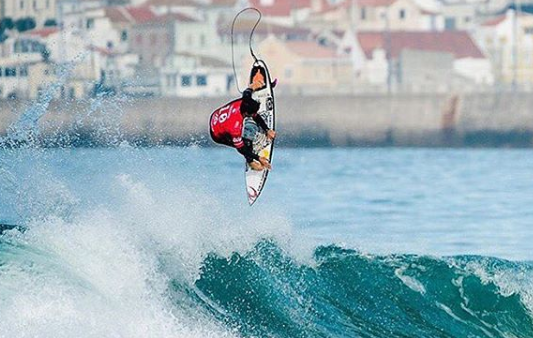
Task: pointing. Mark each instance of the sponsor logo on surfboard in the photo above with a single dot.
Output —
(252, 193)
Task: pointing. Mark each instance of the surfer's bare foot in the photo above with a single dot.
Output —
(265, 163)
(256, 166)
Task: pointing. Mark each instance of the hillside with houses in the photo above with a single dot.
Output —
(183, 48)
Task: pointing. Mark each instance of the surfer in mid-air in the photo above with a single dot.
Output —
(230, 125)
(247, 124)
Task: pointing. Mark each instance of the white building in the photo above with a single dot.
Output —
(192, 75)
(94, 28)
(398, 15)
(14, 80)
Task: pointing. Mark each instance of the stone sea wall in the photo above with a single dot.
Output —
(426, 120)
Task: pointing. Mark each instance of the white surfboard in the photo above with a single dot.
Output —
(255, 180)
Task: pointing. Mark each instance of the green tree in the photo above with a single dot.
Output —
(6, 23)
(50, 23)
(25, 24)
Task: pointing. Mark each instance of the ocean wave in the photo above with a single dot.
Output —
(344, 293)
(75, 280)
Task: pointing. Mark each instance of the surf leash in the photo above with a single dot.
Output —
(249, 42)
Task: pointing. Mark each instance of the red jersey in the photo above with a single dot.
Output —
(226, 124)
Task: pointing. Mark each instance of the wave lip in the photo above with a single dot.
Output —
(348, 294)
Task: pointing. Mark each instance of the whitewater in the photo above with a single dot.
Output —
(125, 241)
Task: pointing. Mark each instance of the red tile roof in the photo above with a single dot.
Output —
(44, 32)
(311, 49)
(179, 17)
(284, 8)
(458, 43)
(326, 6)
(494, 21)
(302, 3)
(140, 14)
(116, 15)
(244, 26)
(171, 17)
(375, 3)
(173, 3)
(129, 14)
(277, 8)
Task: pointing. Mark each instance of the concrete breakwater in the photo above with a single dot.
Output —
(489, 119)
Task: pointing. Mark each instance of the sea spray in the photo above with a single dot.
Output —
(107, 271)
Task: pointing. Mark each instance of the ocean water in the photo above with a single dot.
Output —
(160, 242)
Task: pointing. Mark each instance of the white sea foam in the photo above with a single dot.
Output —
(105, 271)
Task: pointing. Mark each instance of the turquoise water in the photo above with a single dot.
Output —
(160, 242)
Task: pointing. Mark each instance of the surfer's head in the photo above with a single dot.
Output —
(249, 106)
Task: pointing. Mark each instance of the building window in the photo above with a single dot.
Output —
(11, 72)
(124, 36)
(402, 14)
(47, 4)
(23, 71)
(202, 40)
(1, 74)
(363, 13)
(72, 93)
(449, 24)
(21, 4)
(90, 23)
(186, 81)
(153, 39)
(34, 5)
(201, 80)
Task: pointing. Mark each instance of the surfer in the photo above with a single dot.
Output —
(227, 126)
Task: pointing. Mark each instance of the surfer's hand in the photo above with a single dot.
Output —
(271, 134)
(265, 163)
(256, 166)
(256, 85)
(258, 81)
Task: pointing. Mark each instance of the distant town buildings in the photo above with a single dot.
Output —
(42, 11)
(184, 47)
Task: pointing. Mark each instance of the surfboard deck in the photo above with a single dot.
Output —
(255, 180)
